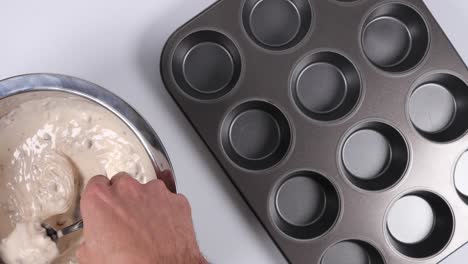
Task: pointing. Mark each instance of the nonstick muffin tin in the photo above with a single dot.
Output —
(342, 123)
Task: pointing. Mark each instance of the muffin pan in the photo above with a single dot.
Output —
(340, 122)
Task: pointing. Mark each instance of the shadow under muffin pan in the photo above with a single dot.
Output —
(336, 120)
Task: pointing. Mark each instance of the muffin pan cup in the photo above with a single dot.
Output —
(439, 234)
(277, 24)
(299, 99)
(326, 86)
(306, 205)
(395, 37)
(438, 107)
(374, 156)
(256, 135)
(460, 180)
(352, 251)
(206, 65)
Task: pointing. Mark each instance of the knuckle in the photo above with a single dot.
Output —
(93, 189)
(158, 185)
(123, 181)
(119, 177)
(94, 193)
(184, 203)
(182, 199)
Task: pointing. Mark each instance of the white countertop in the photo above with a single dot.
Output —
(117, 44)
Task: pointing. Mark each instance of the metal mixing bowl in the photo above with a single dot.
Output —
(15, 90)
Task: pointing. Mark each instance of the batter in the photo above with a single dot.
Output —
(28, 243)
(49, 149)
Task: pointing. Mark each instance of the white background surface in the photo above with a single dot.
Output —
(117, 44)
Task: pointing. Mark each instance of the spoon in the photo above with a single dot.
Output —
(56, 234)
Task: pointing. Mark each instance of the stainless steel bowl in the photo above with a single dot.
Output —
(16, 90)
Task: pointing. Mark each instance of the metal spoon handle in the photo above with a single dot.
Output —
(70, 229)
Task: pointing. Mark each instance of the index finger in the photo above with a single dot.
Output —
(92, 189)
(96, 181)
(92, 199)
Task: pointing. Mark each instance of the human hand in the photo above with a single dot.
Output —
(126, 222)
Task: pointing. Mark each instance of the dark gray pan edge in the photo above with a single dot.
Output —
(457, 256)
(384, 98)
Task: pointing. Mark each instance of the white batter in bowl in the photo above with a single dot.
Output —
(52, 143)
